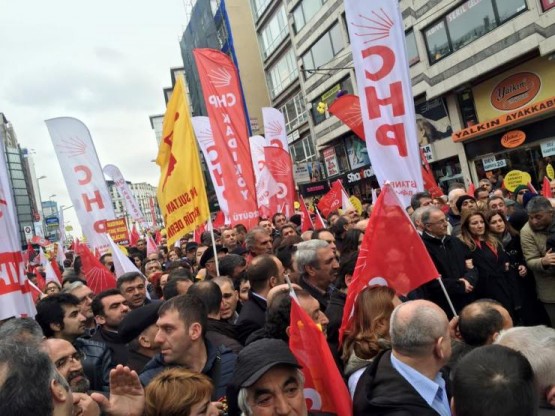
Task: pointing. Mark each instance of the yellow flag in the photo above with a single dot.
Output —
(181, 190)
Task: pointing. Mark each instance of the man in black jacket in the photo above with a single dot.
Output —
(59, 317)
(182, 339)
(452, 260)
(407, 380)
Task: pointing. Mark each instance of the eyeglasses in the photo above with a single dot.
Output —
(64, 361)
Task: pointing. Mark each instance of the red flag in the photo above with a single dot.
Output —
(280, 166)
(225, 106)
(347, 109)
(31, 253)
(430, 183)
(98, 277)
(306, 220)
(151, 245)
(319, 221)
(546, 188)
(158, 237)
(332, 200)
(198, 232)
(219, 221)
(40, 279)
(391, 253)
(471, 189)
(56, 269)
(322, 378)
(134, 236)
(41, 241)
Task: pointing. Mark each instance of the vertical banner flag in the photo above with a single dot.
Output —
(131, 205)
(266, 186)
(391, 254)
(205, 140)
(153, 207)
(377, 36)
(15, 292)
(274, 128)
(181, 190)
(224, 103)
(280, 166)
(324, 388)
(83, 177)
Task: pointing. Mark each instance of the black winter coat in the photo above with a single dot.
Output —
(251, 318)
(97, 362)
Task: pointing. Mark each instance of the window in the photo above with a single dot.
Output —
(282, 73)
(305, 11)
(328, 97)
(274, 32)
(295, 112)
(258, 7)
(412, 50)
(466, 23)
(303, 150)
(324, 50)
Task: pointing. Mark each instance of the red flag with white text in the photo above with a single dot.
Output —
(225, 106)
(392, 253)
(324, 388)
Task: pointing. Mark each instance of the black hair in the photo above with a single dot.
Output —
(170, 290)
(350, 242)
(261, 270)
(229, 262)
(190, 309)
(210, 294)
(50, 311)
(347, 264)
(128, 277)
(493, 380)
(415, 199)
(97, 305)
(477, 328)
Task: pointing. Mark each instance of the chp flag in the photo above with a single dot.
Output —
(83, 177)
(225, 106)
(377, 36)
(181, 190)
(15, 292)
(391, 254)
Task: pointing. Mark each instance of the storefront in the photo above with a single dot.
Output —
(516, 130)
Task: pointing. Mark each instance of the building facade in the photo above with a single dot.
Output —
(480, 77)
(20, 179)
(145, 195)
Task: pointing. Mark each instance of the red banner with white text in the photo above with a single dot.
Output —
(224, 103)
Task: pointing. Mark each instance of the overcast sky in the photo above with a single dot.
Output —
(103, 62)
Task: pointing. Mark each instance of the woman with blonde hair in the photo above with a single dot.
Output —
(179, 392)
(368, 331)
(495, 280)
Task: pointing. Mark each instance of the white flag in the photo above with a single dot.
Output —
(205, 140)
(83, 177)
(129, 200)
(274, 128)
(15, 292)
(377, 36)
(122, 263)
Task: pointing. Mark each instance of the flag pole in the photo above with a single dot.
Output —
(447, 296)
(211, 228)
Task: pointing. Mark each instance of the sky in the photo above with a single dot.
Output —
(103, 62)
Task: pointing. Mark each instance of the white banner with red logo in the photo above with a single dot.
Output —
(131, 205)
(266, 185)
(377, 36)
(15, 293)
(274, 128)
(224, 103)
(205, 140)
(83, 177)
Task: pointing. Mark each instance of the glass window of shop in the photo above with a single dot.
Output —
(328, 97)
(294, 112)
(412, 50)
(305, 11)
(527, 159)
(324, 50)
(447, 172)
(468, 22)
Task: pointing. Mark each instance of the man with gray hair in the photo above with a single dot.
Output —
(416, 218)
(318, 265)
(533, 238)
(85, 295)
(407, 379)
(537, 344)
(258, 241)
(21, 330)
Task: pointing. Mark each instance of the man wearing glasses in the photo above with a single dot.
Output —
(451, 258)
(67, 361)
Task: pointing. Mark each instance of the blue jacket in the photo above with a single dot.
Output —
(219, 367)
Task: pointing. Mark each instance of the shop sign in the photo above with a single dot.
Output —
(505, 120)
(117, 229)
(355, 176)
(314, 188)
(548, 4)
(548, 148)
(515, 91)
(301, 172)
(513, 138)
(330, 160)
(490, 163)
(429, 153)
(28, 230)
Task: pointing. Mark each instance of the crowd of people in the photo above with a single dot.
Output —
(203, 328)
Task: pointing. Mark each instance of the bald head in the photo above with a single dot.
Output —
(481, 321)
(416, 326)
